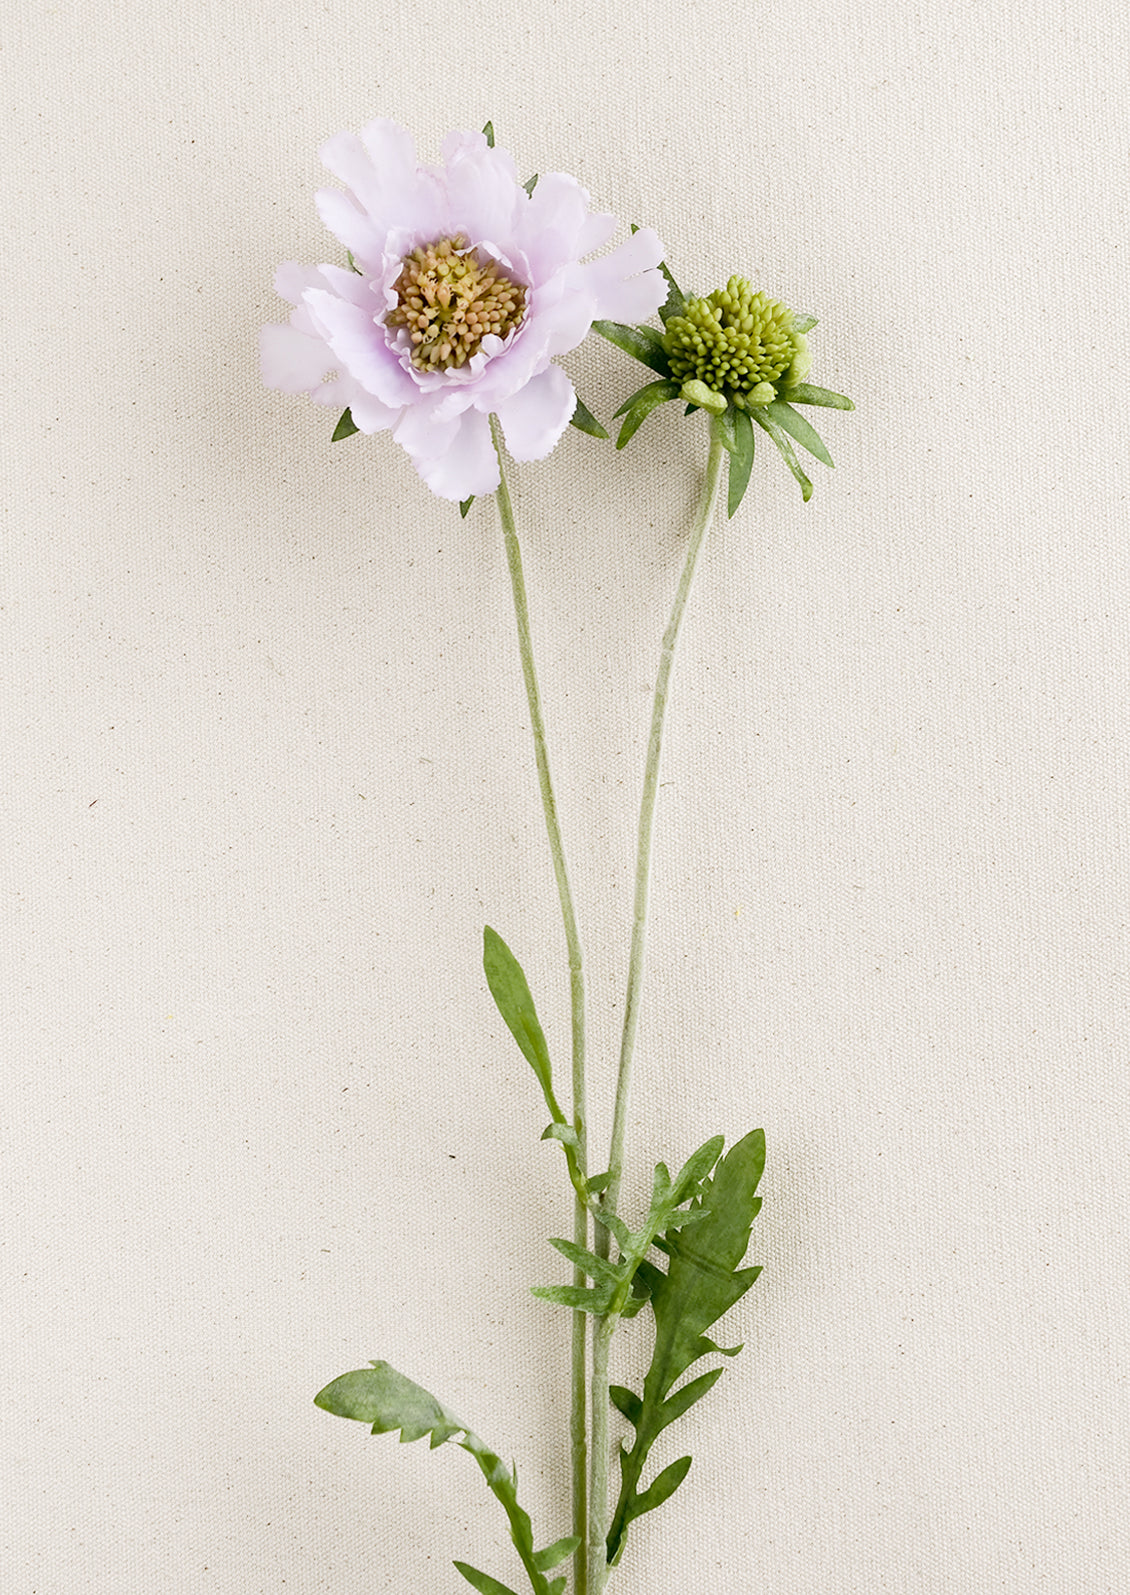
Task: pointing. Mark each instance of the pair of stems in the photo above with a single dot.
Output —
(590, 1506)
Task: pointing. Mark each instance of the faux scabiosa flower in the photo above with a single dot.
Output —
(462, 288)
(738, 355)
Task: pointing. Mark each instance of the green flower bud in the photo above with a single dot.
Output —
(736, 343)
(696, 392)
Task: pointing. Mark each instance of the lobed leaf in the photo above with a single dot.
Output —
(702, 1281)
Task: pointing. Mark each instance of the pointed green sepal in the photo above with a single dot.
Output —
(488, 134)
(788, 453)
(799, 428)
(805, 393)
(637, 409)
(465, 505)
(803, 321)
(584, 421)
(741, 460)
(642, 343)
(531, 183)
(345, 427)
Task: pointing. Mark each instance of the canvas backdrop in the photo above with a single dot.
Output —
(267, 773)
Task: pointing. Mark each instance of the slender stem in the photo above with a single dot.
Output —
(577, 1405)
(605, 1327)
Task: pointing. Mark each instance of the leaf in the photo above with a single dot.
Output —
(512, 998)
(345, 427)
(482, 1581)
(627, 1402)
(599, 1182)
(530, 184)
(465, 505)
(703, 1279)
(553, 1555)
(741, 461)
(798, 427)
(488, 134)
(353, 266)
(387, 1400)
(595, 1267)
(584, 420)
(642, 343)
(637, 409)
(788, 453)
(576, 1297)
(805, 393)
(675, 304)
(662, 1487)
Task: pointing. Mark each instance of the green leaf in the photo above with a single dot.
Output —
(675, 304)
(595, 1267)
(553, 1555)
(512, 998)
(387, 1400)
(788, 453)
(798, 427)
(642, 343)
(805, 393)
(530, 184)
(662, 1487)
(345, 427)
(465, 505)
(741, 461)
(584, 421)
(564, 1133)
(598, 1182)
(575, 1297)
(637, 409)
(482, 1581)
(625, 1401)
(488, 134)
(803, 321)
(702, 1281)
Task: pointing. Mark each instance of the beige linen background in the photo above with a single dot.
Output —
(267, 772)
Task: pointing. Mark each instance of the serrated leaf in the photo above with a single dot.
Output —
(798, 427)
(584, 421)
(575, 1296)
(388, 1401)
(702, 1281)
(805, 393)
(642, 343)
(580, 1257)
(555, 1554)
(637, 409)
(785, 448)
(465, 505)
(511, 993)
(488, 134)
(345, 427)
(482, 1581)
(675, 304)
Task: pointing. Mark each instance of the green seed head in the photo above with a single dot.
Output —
(735, 341)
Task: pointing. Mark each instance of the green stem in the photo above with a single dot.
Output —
(577, 1404)
(598, 1510)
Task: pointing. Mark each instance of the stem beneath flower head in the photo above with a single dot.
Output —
(605, 1327)
(578, 1381)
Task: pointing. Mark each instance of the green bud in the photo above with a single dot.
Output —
(696, 392)
(735, 344)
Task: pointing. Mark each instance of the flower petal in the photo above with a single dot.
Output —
(455, 457)
(618, 293)
(534, 419)
(361, 347)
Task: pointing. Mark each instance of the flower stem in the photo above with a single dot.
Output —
(598, 1511)
(577, 1404)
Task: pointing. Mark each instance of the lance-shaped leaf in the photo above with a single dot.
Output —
(805, 393)
(734, 431)
(798, 427)
(511, 993)
(637, 409)
(642, 343)
(702, 1281)
(584, 421)
(788, 453)
(388, 1401)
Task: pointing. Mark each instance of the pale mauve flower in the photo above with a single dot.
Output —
(466, 289)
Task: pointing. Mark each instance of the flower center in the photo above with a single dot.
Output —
(448, 302)
(734, 339)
